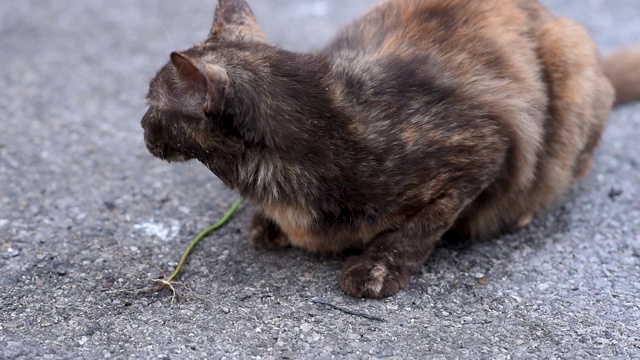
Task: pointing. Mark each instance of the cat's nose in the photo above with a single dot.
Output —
(145, 119)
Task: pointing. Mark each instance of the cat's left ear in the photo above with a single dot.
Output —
(196, 73)
(234, 20)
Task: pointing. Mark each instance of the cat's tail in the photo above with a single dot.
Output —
(622, 68)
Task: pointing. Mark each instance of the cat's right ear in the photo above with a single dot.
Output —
(205, 77)
(234, 20)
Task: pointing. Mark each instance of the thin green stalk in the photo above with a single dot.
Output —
(200, 236)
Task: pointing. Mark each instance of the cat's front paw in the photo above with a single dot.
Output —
(364, 277)
(266, 234)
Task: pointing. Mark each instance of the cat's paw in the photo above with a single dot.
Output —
(265, 234)
(524, 220)
(363, 277)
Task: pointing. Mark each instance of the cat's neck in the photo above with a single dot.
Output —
(290, 110)
(283, 96)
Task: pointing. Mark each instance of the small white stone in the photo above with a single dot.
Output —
(83, 340)
(306, 327)
(543, 286)
(516, 298)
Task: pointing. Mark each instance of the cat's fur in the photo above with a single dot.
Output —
(421, 117)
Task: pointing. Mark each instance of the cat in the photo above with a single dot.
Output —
(422, 117)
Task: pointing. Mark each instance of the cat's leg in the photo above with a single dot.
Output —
(264, 233)
(389, 261)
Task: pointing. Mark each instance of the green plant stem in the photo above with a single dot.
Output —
(200, 236)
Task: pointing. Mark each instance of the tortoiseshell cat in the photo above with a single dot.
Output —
(421, 117)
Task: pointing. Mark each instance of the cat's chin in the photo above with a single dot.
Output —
(170, 156)
(176, 158)
(167, 153)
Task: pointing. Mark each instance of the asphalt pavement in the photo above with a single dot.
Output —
(88, 218)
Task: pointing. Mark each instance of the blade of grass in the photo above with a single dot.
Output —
(202, 235)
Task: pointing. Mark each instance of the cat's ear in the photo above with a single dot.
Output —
(234, 20)
(205, 77)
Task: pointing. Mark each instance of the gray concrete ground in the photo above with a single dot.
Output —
(87, 215)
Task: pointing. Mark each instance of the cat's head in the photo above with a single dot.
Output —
(190, 115)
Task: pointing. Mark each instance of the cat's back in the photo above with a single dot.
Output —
(452, 49)
(433, 62)
(394, 25)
